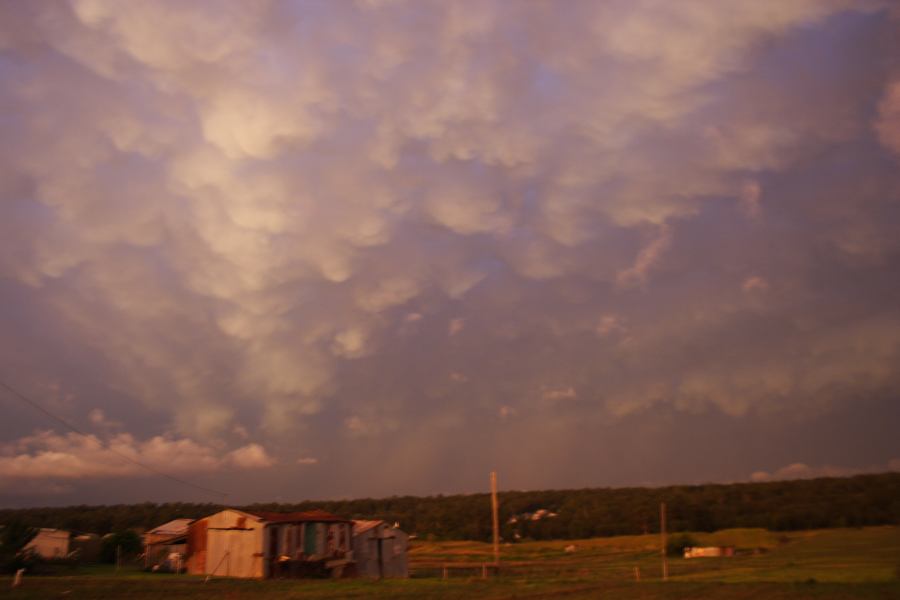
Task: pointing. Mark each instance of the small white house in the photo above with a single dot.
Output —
(380, 550)
(50, 543)
(708, 552)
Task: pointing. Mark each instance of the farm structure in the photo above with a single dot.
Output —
(165, 547)
(50, 543)
(167, 530)
(235, 543)
(708, 552)
(380, 550)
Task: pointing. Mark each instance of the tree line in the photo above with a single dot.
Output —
(779, 506)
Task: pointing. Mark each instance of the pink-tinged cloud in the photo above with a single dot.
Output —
(751, 193)
(755, 283)
(48, 455)
(558, 394)
(646, 260)
(804, 471)
(888, 123)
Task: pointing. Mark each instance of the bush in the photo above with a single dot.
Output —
(677, 544)
(13, 537)
(128, 541)
(37, 565)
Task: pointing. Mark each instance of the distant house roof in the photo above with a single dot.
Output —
(317, 516)
(50, 543)
(174, 527)
(53, 533)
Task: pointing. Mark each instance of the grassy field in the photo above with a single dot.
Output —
(826, 564)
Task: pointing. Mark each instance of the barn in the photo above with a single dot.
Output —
(235, 543)
(380, 550)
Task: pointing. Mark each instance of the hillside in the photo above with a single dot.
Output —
(779, 506)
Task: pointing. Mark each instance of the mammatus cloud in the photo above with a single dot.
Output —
(804, 471)
(348, 221)
(888, 125)
(46, 455)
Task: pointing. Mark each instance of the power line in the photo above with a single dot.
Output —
(74, 429)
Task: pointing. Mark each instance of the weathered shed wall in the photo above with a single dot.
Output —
(395, 553)
(196, 547)
(235, 545)
(380, 551)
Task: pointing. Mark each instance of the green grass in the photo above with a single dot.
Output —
(825, 564)
(830, 555)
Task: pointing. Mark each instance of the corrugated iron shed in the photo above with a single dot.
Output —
(258, 544)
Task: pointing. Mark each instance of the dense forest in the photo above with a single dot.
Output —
(781, 505)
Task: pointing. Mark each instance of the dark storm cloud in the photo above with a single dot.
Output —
(392, 243)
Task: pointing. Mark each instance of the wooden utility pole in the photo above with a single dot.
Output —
(662, 540)
(496, 518)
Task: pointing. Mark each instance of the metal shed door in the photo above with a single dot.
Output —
(309, 539)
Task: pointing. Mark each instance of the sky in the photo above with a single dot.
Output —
(336, 249)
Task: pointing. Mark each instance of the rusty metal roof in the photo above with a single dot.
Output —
(361, 526)
(319, 516)
(174, 527)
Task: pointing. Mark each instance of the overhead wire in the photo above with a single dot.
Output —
(74, 429)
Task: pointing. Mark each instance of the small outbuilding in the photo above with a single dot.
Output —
(380, 550)
(50, 543)
(165, 547)
(708, 551)
(235, 543)
(165, 531)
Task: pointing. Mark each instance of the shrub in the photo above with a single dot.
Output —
(13, 538)
(677, 544)
(128, 541)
